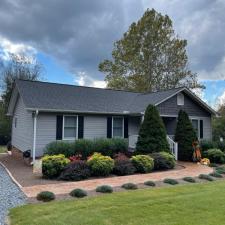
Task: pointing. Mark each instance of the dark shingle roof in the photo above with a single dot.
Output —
(52, 96)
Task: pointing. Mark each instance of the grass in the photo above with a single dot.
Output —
(3, 149)
(197, 204)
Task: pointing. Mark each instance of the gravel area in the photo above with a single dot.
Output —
(10, 195)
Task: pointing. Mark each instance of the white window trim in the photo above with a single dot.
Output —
(69, 139)
(122, 126)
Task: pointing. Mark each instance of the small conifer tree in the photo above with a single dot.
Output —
(185, 135)
(152, 134)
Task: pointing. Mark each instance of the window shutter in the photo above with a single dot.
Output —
(201, 129)
(109, 127)
(80, 127)
(59, 127)
(126, 127)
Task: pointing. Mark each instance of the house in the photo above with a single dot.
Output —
(43, 112)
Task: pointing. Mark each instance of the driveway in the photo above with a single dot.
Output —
(10, 195)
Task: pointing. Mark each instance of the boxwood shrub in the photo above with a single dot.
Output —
(205, 177)
(189, 179)
(163, 160)
(129, 186)
(75, 171)
(78, 193)
(100, 165)
(170, 181)
(104, 189)
(216, 174)
(45, 196)
(149, 183)
(86, 147)
(53, 165)
(143, 163)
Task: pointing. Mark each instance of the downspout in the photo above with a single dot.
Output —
(142, 116)
(35, 134)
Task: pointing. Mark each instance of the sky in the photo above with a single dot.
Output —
(70, 38)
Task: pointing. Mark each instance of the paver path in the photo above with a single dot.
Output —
(10, 194)
(190, 169)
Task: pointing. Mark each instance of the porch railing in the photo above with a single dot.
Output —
(173, 147)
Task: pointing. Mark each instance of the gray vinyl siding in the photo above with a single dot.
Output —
(95, 127)
(46, 131)
(23, 132)
(192, 108)
(134, 125)
(207, 126)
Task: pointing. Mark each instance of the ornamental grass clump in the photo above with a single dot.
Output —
(189, 179)
(104, 189)
(45, 196)
(149, 183)
(216, 174)
(100, 165)
(129, 186)
(78, 193)
(205, 177)
(170, 181)
(143, 163)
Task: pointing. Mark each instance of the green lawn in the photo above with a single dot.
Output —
(3, 149)
(194, 204)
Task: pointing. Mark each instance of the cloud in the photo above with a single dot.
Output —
(221, 99)
(80, 34)
(7, 47)
(83, 79)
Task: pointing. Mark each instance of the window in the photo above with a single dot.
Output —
(117, 127)
(180, 99)
(70, 127)
(198, 126)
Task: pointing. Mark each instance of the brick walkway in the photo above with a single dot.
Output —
(190, 169)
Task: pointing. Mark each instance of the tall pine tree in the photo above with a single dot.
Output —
(152, 134)
(185, 135)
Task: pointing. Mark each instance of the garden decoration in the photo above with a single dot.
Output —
(197, 152)
(205, 161)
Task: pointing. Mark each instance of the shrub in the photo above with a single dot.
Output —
(143, 163)
(189, 179)
(170, 181)
(123, 167)
(75, 171)
(104, 189)
(45, 196)
(185, 135)
(207, 144)
(152, 134)
(86, 147)
(213, 165)
(110, 146)
(129, 186)
(78, 193)
(163, 160)
(205, 177)
(100, 165)
(215, 155)
(149, 183)
(216, 174)
(59, 147)
(220, 169)
(53, 165)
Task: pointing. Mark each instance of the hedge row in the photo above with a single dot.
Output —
(105, 146)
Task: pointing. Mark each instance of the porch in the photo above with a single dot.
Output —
(170, 125)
